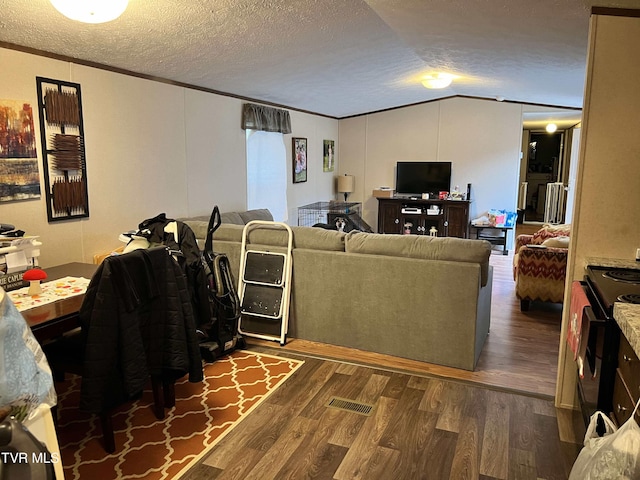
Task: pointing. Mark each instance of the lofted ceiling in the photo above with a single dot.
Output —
(334, 57)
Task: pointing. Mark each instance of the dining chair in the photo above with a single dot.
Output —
(137, 325)
(66, 355)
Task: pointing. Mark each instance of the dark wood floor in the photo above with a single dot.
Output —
(420, 428)
(429, 422)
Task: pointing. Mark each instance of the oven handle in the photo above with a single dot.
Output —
(593, 297)
(595, 306)
(590, 355)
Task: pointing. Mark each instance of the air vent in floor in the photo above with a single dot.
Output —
(350, 406)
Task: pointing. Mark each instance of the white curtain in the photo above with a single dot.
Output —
(267, 173)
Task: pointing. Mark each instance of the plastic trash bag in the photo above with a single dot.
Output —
(25, 376)
(614, 456)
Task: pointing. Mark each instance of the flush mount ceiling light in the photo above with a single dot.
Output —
(91, 11)
(437, 80)
(551, 127)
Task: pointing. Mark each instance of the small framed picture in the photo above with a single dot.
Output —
(328, 156)
(299, 160)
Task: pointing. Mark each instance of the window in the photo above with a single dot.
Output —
(267, 173)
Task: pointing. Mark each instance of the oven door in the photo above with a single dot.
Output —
(595, 388)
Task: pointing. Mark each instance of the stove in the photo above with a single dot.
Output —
(612, 285)
(625, 275)
(629, 298)
(603, 287)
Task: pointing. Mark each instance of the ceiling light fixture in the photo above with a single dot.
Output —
(551, 127)
(91, 11)
(437, 80)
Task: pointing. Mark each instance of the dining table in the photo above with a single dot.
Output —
(48, 322)
(51, 320)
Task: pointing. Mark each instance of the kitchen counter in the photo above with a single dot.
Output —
(613, 262)
(628, 317)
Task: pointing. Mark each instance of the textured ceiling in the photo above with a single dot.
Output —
(333, 57)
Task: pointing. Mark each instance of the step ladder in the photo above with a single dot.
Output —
(264, 286)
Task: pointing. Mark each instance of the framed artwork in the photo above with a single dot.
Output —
(299, 160)
(63, 155)
(19, 176)
(328, 155)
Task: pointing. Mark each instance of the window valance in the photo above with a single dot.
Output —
(267, 119)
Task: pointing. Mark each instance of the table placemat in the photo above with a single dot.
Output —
(51, 292)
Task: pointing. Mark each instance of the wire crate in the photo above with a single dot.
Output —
(328, 213)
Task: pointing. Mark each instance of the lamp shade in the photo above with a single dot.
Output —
(346, 183)
(91, 11)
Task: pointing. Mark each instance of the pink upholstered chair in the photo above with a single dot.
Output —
(540, 265)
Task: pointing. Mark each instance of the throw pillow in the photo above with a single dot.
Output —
(557, 242)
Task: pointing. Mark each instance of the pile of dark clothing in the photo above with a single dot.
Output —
(150, 303)
(159, 231)
(137, 321)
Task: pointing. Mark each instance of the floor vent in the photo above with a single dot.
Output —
(350, 406)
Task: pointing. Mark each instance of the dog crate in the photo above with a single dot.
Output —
(334, 215)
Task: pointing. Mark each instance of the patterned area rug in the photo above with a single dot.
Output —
(152, 449)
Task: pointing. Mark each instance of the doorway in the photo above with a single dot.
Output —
(545, 161)
(544, 166)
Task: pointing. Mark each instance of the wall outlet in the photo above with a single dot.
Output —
(637, 254)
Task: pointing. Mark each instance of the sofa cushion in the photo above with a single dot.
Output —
(428, 248)
(256, 236)
(318, 239)
(200, 224)
(199, 227)
(233, 218)
(303, 237)
(228, 232)
(258, 214)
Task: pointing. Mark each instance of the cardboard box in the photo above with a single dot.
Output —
(378, 193)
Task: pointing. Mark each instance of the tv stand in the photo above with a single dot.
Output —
(399, 215)
(406, 196)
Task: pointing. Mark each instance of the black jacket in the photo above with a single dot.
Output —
(137, 320)
(191, 261)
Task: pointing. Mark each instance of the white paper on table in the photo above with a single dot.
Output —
(16, 261)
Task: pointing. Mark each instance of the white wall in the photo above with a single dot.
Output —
(216, 153)
(135, 150)
(481, 138)
(151, 147)
(319, 185)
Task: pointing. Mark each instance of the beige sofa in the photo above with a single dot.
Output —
(422, 298)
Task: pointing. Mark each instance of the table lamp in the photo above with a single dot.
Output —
(345, 185)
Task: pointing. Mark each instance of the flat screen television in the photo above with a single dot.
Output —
(416, 178)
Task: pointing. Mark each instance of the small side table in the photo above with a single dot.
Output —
(500, 239)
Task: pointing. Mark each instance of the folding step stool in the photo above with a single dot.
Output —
(264, 286)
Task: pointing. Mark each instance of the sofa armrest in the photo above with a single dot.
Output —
(540, 273)
(521, 240)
